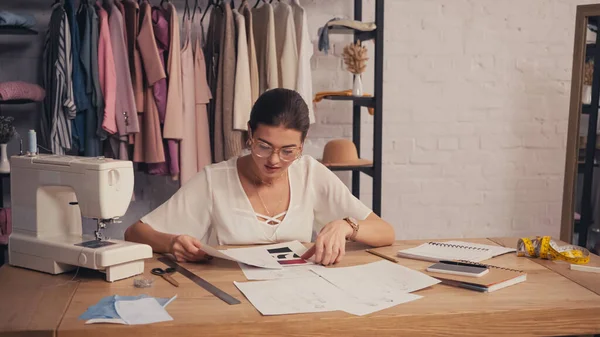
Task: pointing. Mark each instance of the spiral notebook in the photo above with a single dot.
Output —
(453, 250)
(497, 278)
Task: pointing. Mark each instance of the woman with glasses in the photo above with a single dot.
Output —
(273, 194)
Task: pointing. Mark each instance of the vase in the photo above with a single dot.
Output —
(587, 94)
(4, 163)
(357, 89)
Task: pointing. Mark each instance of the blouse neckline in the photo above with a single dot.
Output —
(286, 213)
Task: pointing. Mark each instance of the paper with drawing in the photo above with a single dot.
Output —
(302, 295)
(358, 290)
(287, 254)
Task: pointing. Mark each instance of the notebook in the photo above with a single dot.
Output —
(497, 278)
(454, 250)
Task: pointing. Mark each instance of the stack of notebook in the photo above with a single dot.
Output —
(497, 278)
(466, 252)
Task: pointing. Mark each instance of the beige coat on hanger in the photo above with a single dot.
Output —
(203, 97)
(188, 161)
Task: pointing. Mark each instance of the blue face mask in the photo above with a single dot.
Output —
(105, 308)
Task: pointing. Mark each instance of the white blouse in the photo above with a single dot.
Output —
(213, 207)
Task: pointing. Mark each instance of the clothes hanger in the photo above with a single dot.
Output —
(186, 10)
(196, 8)
(258, 1)
(210, 4)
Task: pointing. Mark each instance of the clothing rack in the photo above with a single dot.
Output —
(375, 102)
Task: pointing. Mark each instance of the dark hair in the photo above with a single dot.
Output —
(283, 107)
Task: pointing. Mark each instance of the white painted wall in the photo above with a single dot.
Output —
(475, 111)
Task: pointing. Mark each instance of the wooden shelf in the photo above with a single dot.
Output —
(586, 109)
(360, 35)
(368, 170)
(368, 102)
(17, 30)
(17, 101)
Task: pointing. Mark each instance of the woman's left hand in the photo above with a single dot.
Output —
(330, 246)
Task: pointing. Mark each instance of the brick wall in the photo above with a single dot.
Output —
(475, 112)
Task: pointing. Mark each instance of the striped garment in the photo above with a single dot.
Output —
(59, 103)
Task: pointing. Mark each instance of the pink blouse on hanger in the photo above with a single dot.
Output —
(106, 69)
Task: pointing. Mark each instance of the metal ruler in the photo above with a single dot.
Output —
(200, 281)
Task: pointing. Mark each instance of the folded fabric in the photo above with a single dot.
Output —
(324, 37)
(21, 90)
(105, 308)
(12, 19)
(5, 225)
(323, 32)
(322, 94)
(358, 25)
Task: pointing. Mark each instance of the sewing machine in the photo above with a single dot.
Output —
(49, 196)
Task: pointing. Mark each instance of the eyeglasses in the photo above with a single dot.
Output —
(264, 150)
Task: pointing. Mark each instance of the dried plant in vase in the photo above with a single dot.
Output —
(7, 132)
(588, 72)
(355, 58)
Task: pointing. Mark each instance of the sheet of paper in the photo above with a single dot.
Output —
(287, 254)
(364, 307)
(292, 296)
(274, 256)
(255, 273)
(313, 294)
(142, 311)
(380, 282)
(260, 259)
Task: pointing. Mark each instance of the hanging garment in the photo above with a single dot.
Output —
(107, 73)
(263, 26)
(173, 127)
(126, 112)
(88, 22)
(81, 99)
(160, 25)
(148, 143)
(202, 96)
(188, 146)
(242, 103)
(132, 21)
(247, 13)
(228, 142)
(305, 53)
(59, 104)
(285, 40)
(211, 53)
(98, 101)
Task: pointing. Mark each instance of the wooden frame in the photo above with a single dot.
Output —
(571, 163)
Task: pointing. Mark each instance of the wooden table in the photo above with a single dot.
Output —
(550, 302)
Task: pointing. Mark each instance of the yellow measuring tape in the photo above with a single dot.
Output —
(543, 247)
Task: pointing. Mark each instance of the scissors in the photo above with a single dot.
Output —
(165, 274)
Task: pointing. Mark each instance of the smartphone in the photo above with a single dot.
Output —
(458, 269)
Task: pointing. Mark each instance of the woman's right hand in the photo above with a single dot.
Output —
(187, 249)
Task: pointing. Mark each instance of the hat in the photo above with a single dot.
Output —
(341, 153)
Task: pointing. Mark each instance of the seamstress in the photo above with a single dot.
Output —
(273, 194)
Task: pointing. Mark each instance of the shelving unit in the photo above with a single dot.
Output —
(375, 102)
(16, 30)
(589, 161)
(11, 30)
